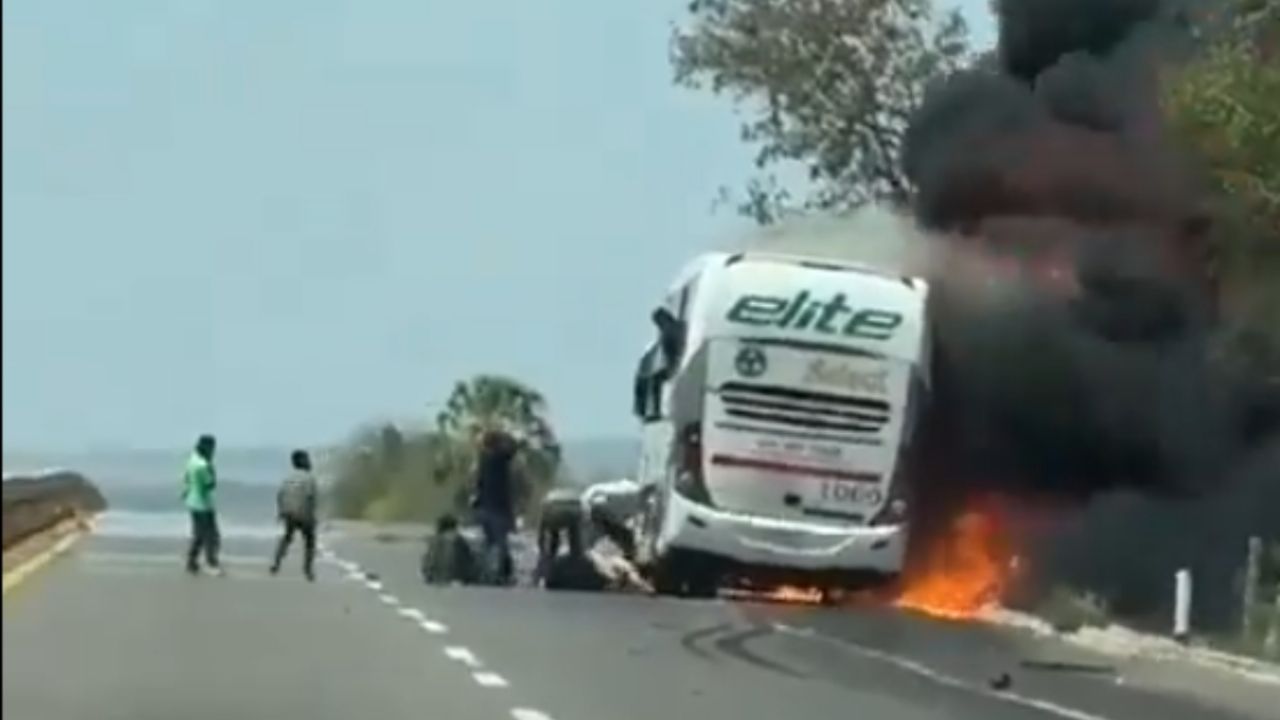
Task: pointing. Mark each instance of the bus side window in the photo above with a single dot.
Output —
(640, 398)
(671, 337)
(647, 399)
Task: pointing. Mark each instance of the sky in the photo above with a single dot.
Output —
(278, 220)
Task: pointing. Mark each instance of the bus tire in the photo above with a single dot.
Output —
(681, 574)
(668, 578)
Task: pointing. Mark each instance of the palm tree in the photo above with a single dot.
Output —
(494, 403)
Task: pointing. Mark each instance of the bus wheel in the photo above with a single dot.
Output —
(684, 575)
(667, 576)
(704, 585)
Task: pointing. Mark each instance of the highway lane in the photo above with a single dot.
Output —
(623, 657)
(115, 629)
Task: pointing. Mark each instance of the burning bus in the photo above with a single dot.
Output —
(778, 402)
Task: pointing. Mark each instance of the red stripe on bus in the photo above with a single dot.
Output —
(784, 467)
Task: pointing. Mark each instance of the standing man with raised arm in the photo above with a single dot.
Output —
(494, 503)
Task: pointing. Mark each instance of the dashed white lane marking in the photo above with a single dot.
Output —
(413, 614)
(457, 653)
(462, 655)
(945, 680)
(529, 714)
(489, 680)
(434, 627)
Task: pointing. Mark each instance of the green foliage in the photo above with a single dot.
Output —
(830, 84)
(1226, 105)
(386, 476)
(489, 402)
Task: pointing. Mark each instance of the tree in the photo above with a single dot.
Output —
(1227, 106)
(360, 473)
(832, 84)
(385, 474)
(490, 402)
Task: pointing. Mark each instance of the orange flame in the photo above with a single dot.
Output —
(964, 572)
(795, 595)
(787, 594)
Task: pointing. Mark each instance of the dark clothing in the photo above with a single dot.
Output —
(618, 533)
(495, 511)
(497, 562)
(449, 558)
(204, 537)
(559, 518)
(575, 572)
(308, 529)
(494, 492)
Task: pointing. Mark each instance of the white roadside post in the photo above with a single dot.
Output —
(1182, 606)
(1273, 636)
(1252, 575)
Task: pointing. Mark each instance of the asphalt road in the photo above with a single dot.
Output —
(116, 630)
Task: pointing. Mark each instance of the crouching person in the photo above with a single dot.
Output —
(561, 521)
(449, 558)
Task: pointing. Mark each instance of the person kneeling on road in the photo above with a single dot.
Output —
(296, 507)
(449, 558)
(561, 518)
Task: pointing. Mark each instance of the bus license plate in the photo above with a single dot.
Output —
(851, 493)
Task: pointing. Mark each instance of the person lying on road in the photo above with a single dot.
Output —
(595, 571)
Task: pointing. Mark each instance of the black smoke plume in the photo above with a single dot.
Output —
(1091, 368)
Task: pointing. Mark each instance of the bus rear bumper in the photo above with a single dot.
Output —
(750, 540)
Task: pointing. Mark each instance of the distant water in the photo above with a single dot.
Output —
(143, 488)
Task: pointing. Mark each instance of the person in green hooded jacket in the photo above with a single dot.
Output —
(198, 483)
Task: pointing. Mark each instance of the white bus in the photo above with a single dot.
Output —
(778, 401)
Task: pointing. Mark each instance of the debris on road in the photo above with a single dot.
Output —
(1073, 667)
(1001, 682)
